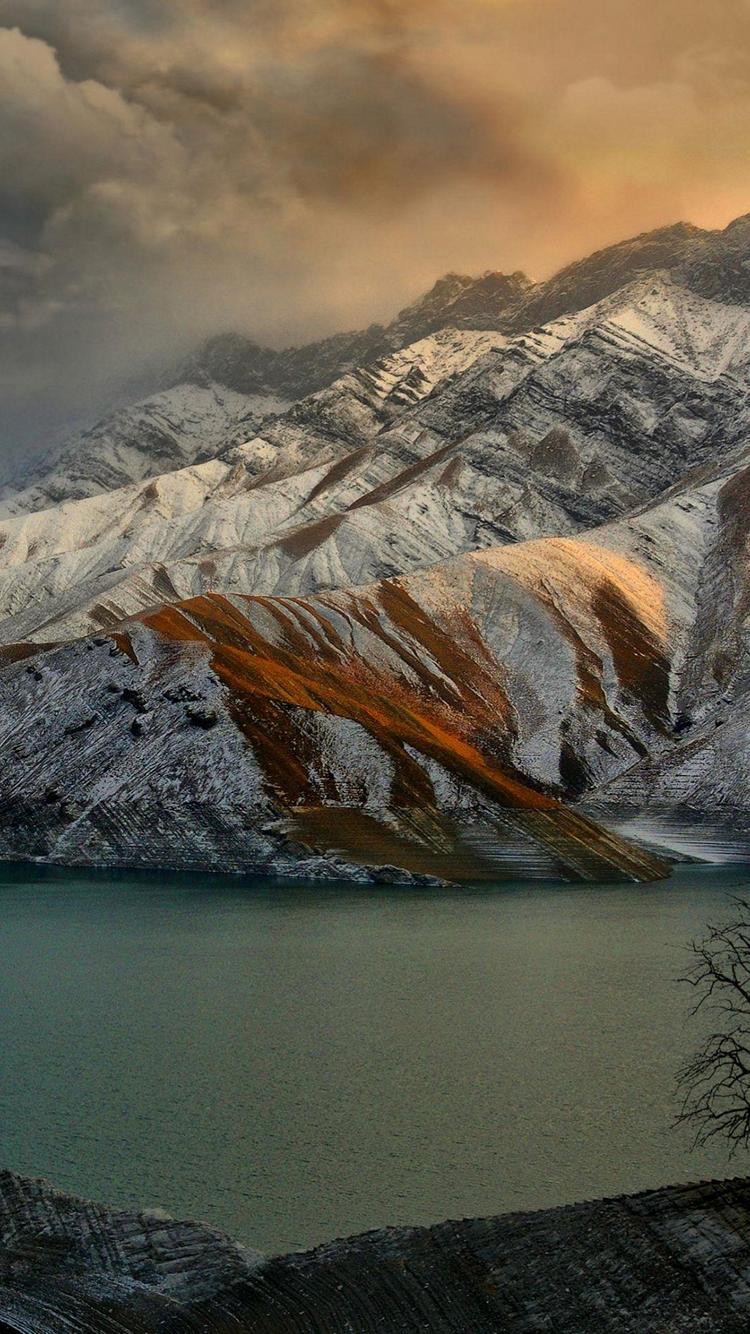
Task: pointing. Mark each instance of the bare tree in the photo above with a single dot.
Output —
(714, 1085)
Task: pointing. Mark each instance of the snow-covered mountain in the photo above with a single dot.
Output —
(468, 582)
(175, 427)
(220, 395)
(194, 417)
(461, 441)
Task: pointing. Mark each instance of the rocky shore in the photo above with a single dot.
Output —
(675, 1259)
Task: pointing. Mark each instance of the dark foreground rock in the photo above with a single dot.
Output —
(676, 1259)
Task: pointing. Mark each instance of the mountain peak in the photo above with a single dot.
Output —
(739, 227)
(446, 287)
(230, 359)
(457, 299)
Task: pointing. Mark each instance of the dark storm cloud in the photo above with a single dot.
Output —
(172, 167)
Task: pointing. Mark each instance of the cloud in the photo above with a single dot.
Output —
(289, 167)
(23, 307)
(59, 136)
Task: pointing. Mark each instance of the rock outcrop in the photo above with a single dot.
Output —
(667, 1260)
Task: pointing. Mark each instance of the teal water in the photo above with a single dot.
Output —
(294, 1063)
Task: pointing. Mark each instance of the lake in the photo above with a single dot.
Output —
(293, 1063)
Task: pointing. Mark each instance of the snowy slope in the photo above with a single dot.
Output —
(167, 431)
(462, 441)
(513, 676)
(479, 691)
(215, 728)
(189, 423)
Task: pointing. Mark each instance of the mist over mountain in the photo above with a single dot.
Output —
(174, 171)
(713, 263)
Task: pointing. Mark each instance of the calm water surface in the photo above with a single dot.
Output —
(294, 1063)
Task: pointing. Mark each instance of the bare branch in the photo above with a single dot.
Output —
(713, 1086)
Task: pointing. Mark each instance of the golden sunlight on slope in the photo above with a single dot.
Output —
(580, 569)
(415, 684)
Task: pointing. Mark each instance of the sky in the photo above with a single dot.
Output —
(288, 168)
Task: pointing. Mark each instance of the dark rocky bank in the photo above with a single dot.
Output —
(675, 1259)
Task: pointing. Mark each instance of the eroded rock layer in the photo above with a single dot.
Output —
(396, 708)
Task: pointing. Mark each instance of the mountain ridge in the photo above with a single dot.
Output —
(432, 619)
(493, 440)
(507, 303)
